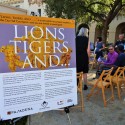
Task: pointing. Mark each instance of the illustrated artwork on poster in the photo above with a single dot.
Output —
(39, 48)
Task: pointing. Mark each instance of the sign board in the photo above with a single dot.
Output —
(37, 65)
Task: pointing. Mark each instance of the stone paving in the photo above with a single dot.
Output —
(94, 114)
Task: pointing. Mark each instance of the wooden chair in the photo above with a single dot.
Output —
(80, 91)
(102, 83)
(92, 61)
(118, 79)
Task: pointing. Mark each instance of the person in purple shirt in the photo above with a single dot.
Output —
(120, 62)
(111, 58)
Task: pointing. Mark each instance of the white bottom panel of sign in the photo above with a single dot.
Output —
(25, 93)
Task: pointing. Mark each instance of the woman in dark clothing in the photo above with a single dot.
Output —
(82, 54)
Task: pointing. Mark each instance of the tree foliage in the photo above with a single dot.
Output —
(82, 9)
(63, 8)
(102, 11)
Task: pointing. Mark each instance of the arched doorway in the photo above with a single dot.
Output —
(120, 29)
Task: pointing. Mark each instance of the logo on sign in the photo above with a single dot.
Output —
(19, 111)
(44, 104)
(69, 100)
(61, 102)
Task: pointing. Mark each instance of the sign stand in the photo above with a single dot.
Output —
(14, 121)
(66, 109)
(38, 66)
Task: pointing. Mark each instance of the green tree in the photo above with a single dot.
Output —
(102, 11)
(105, 12)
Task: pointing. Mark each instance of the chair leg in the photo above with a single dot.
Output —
(112, 91)
(97, 91)
(118, 88)
(104, 98)
(91, 92)
(82, 102)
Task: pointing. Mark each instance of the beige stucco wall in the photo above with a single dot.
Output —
(12, 10)
(34, 8)
(113, 26)
(31, 8)
(92, 31)
(112, 29)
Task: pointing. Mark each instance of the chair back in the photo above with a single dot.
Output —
(119, 79)
(102, 83)
(105, 76)
(120, 72)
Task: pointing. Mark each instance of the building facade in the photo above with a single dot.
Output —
(116, 27)
(12, 10)
(33, 7)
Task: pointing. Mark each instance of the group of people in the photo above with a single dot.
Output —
(115, 56)
(114, 59)
(100, 46)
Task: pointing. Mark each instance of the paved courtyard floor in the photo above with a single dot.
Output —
(94, 113)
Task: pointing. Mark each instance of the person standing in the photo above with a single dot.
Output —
(82, 54)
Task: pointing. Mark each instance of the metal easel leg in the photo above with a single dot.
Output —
(28, 123)
(69, 118)
(66, 109)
